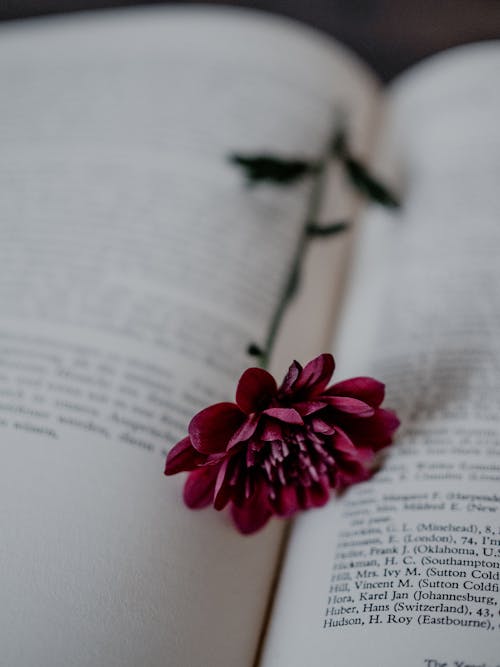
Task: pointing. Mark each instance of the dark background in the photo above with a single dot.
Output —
(388, 34)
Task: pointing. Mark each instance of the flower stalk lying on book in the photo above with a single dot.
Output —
(278, 450)
(282, 171)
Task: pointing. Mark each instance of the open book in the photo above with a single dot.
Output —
(135, 269)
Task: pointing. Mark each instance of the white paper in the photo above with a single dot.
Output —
(405, 570)
(135, 268)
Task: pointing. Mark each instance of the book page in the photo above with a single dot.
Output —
(135, 269)
(405, 569)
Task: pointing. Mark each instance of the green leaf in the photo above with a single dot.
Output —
(254, 350)
(359, 175)
(367, 185)
(272, 169)
(313, 229)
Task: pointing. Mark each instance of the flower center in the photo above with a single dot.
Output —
(301, 456)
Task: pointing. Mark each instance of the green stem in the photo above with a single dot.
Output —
(289, 289)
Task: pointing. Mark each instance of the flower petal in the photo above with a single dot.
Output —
(199, 487)
(272, 431)
(375, 432)
(316, 374)
(253, 514)
(183, 456)
(288, 415)
(343, 444)
(351, 405)
(212, 428)
(366, 389)
(222, 489)
(306, 408)
(255, 390)
(246, 430)
(350, 472)
(319, 493)
(286, 502)
(320, 426)
(315, 495)
(290, 378)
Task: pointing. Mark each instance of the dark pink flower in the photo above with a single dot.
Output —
(278, 450)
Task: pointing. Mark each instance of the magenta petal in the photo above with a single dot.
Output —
(254, 514)
(306, 408)
(351, 405)
(246, 430)
(343, 444)
(349, 473)
(255, 390)
(183, 457)
(316, 374)
(288, 415)
(272, 431)
(319, 493)
(286, 502)
(375, 432)
(290, 378)
(366, 389)
(211, 429)
(304, 497)
(390, 419)
(222, 489)
(320, 426)
(199, 487)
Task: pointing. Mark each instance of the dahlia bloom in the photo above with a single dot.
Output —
(277, 450)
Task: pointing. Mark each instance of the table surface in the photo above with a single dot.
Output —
(388, 34)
